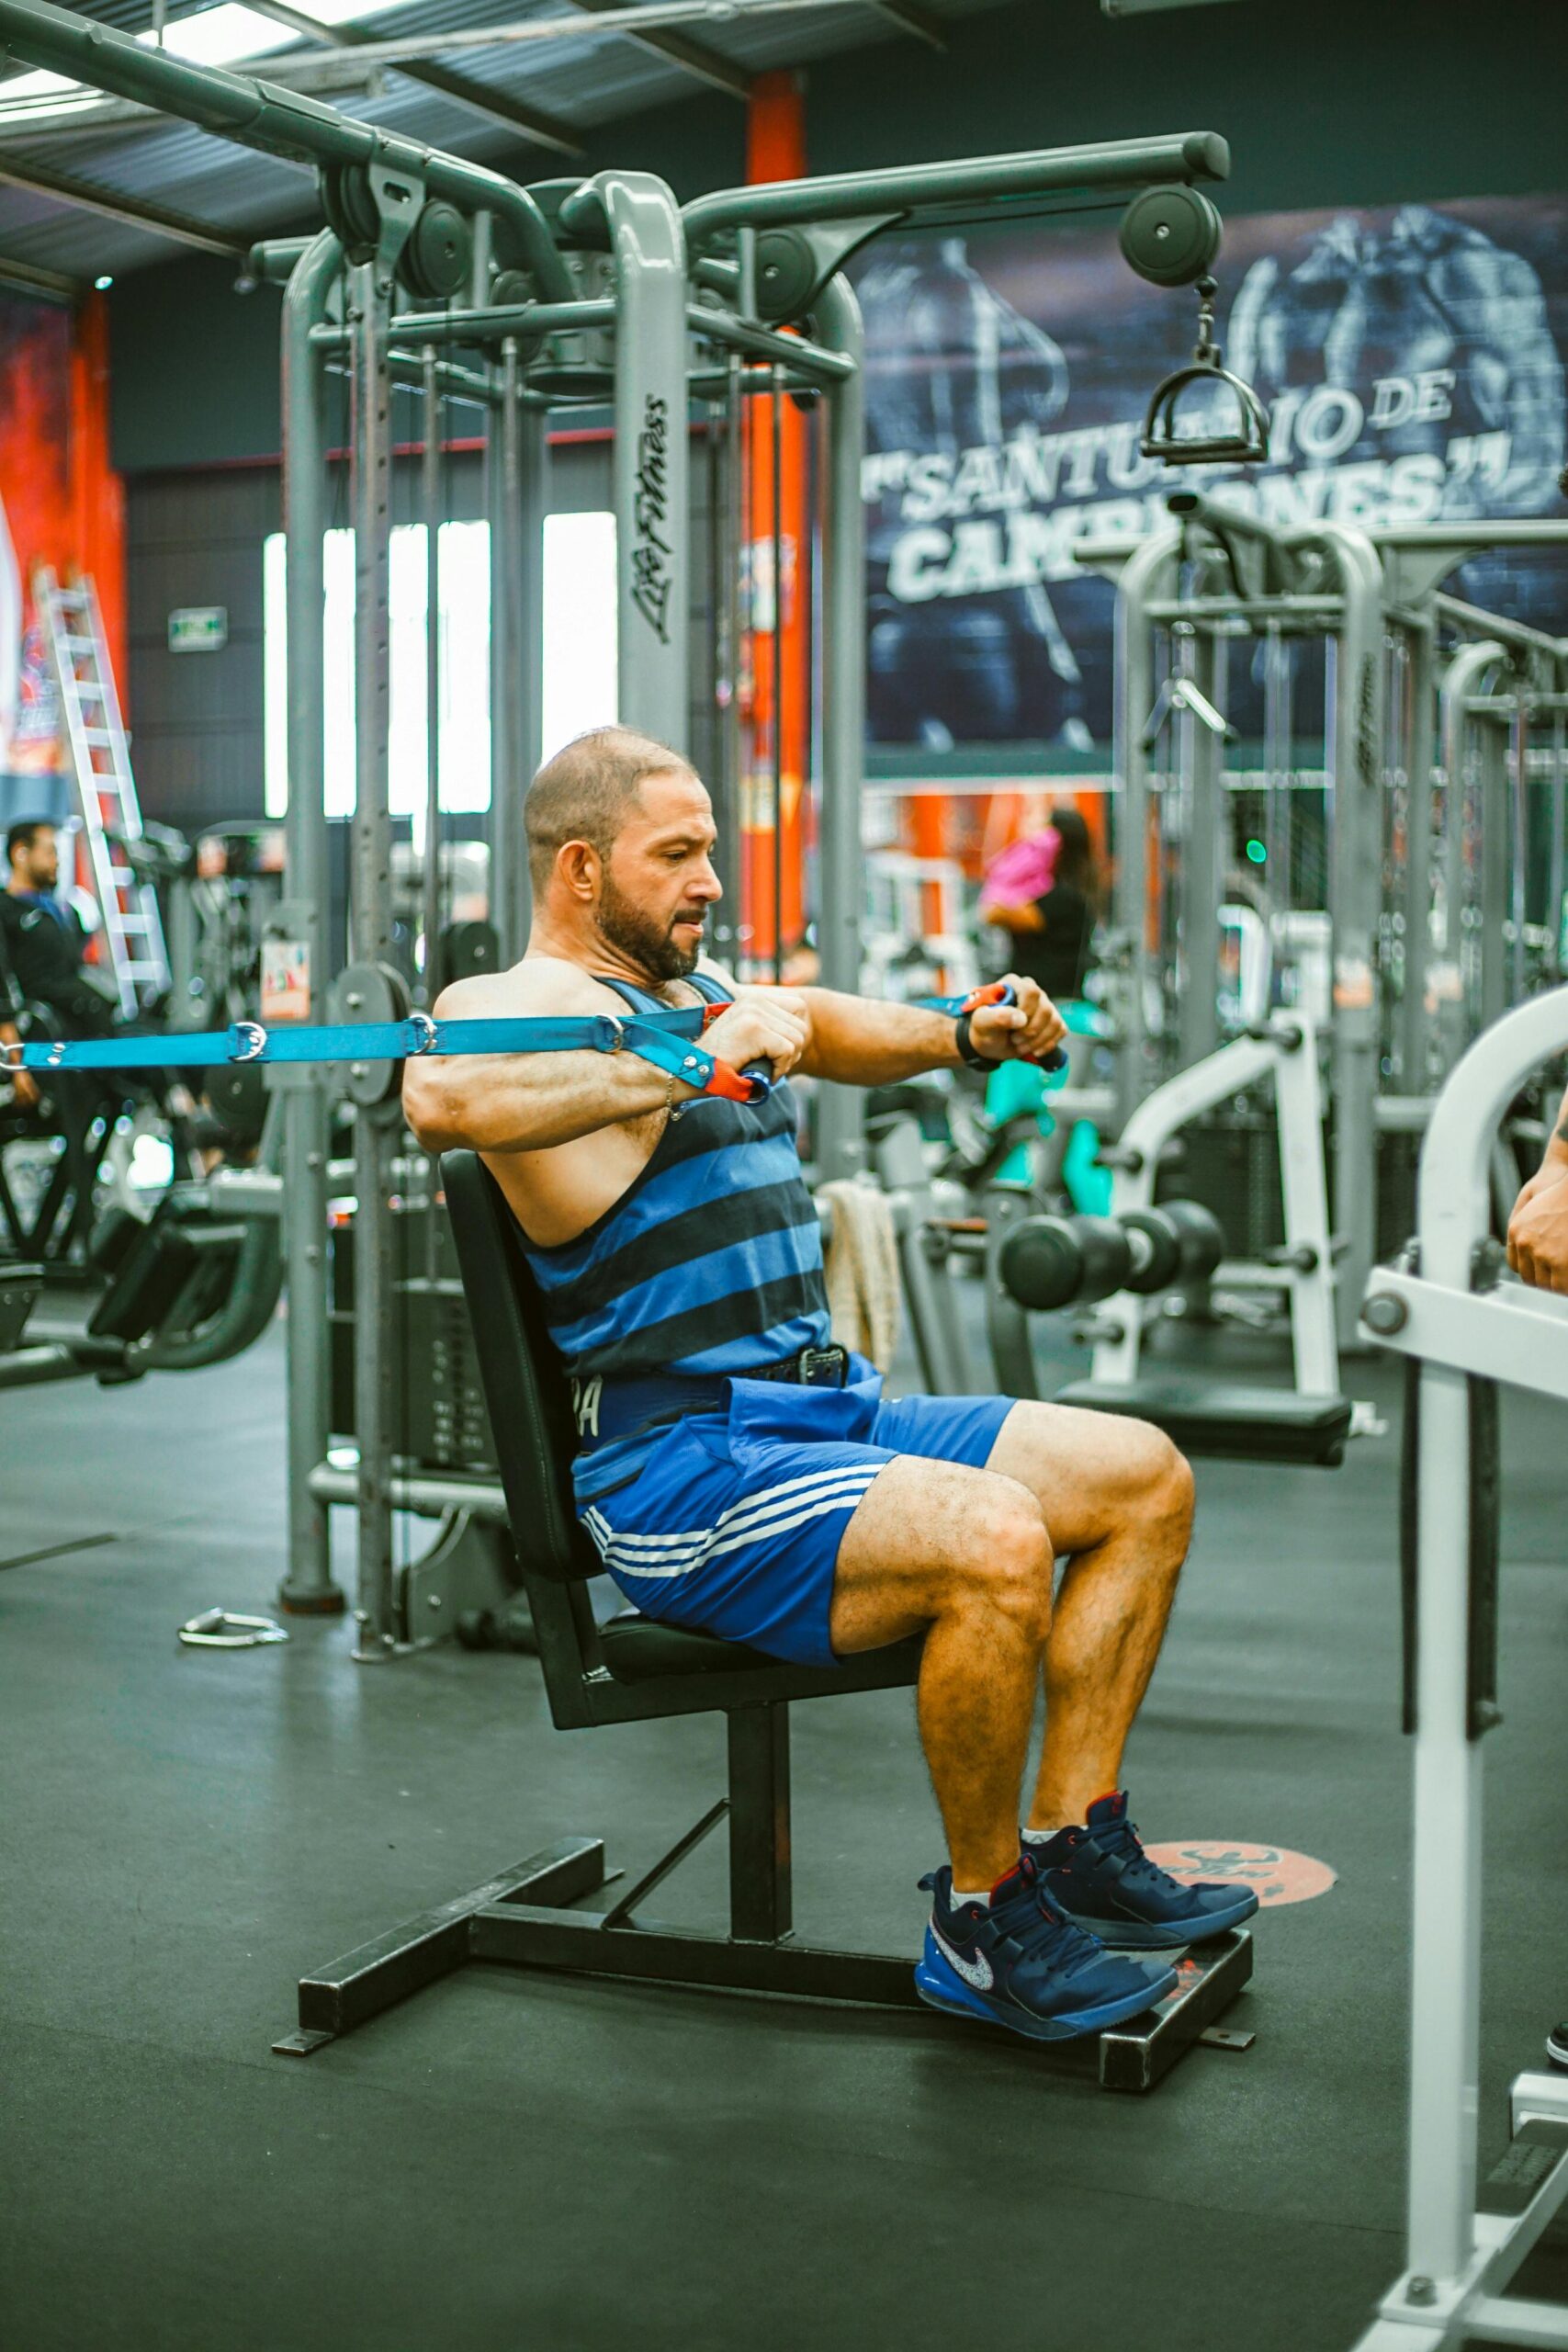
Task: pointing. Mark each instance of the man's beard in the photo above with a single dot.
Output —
(641, 939)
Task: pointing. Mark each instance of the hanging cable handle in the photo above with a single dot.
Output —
(1171, 236)
(1248, 445)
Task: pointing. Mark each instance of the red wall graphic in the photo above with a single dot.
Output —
(62, 502)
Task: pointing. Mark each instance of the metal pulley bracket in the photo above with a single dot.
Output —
(220, 1629)
(373, 208)
(399, 195)
(794, 264)
(371, 992)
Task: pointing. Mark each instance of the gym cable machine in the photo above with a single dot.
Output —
(459, 281)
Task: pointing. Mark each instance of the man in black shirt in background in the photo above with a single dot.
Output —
(43, 938)
(44, 942)
(23, 1084)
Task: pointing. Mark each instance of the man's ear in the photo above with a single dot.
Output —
(581, 869)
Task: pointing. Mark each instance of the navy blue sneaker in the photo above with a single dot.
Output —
(1019, 1963)
(1105, 1883)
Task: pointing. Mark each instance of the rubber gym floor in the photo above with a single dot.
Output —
(513, 2161)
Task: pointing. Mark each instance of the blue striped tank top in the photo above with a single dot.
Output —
(709, 1263)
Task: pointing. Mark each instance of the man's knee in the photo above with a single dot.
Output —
(1009, 1558)
(1164, 1487)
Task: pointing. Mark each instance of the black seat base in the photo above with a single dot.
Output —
(637, 1649)
(1229, 1423)
(521, 1920)
(633, 1670)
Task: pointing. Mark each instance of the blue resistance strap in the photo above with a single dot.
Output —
(668, 1040)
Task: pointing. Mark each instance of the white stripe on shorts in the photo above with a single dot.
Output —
(738, 1515)
(777, 1511)
(748, 1507)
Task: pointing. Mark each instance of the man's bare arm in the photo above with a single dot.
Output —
(500, 1102)
(23, 1085)
(1557, 1142)
(1538, 1229)
(863, 1041)
(526, 1101)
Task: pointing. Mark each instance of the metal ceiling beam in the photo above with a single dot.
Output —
(84, 112)
(130, 211)
(654, 19)
(692, 57)
(912, 18)
(353, 52)
(255, 113)
(545, 129)
(25, 278)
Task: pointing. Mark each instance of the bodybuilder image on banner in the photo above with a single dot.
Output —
(1412, 360)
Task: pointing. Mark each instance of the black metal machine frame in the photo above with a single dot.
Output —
(82, 1111)
(630, 1670)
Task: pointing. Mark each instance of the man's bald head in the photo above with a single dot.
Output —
(584, 793)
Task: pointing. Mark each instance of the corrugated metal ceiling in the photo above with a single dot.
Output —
(579, 84)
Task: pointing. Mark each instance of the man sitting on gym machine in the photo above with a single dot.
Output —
(741, 1475)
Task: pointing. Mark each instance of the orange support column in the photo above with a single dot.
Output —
(776, 706)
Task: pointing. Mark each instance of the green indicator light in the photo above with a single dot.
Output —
(1257, 853)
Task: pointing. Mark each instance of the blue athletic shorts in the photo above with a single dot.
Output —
(732, 1525)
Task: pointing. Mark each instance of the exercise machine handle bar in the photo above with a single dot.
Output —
(1247, 447)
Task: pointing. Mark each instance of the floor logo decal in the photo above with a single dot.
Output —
(1274, 1871)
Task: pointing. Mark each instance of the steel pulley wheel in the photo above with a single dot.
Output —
(1171, 235)
(434, 262)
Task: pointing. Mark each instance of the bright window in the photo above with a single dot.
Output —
(579, 627)
(578, 658)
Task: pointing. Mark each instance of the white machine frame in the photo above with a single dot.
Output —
(1459, 2262)
(1285, 1049)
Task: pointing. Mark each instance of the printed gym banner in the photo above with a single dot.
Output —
(60, 504)
(35, 507)
(1412, 359)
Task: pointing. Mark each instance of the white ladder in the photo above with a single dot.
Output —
(106, 789)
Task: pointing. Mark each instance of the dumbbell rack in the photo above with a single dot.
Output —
(1286, 1050)
(1034, 1263)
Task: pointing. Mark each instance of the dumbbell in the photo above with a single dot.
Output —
(1200, 1239)
(1046, 1262)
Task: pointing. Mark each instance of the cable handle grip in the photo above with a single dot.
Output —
(1003, 992)
(752, 1084)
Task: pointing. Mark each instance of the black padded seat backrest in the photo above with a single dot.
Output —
(529, 1401)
